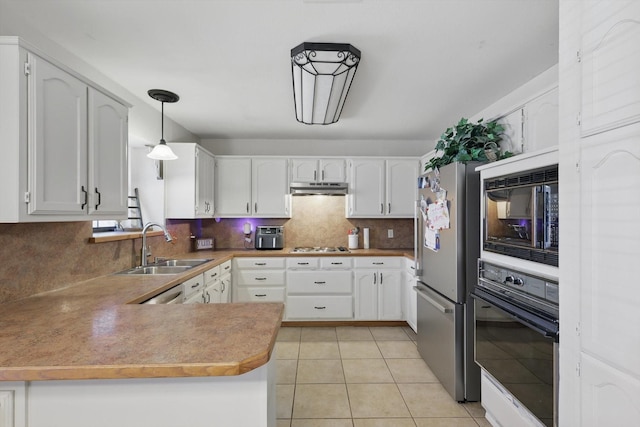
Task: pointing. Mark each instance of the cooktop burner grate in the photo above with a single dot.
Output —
(318, 249)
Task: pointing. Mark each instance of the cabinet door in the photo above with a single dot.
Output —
(57, 140)
(108, 175)
(304, 170)
(205, 165)
(366, 192)
(270, 187)
(225, 291)
(542, 122)
(513, 132)
(366, 295)
(233, 186)
(401, 188)
(389, 295)
(332, 170)
(410, 298)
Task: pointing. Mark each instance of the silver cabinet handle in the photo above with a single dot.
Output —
(99, 197)
(195, 286)
(86, 196)
(381, 208)
(375, 278)
(261, 278)
(303, 263)
(381, 278)
(336, 263)
(247, 207)
(389, 211)
(315, 175)
(320, 308)
(378, 263)
(323, 175)
(259, 263)
(256, 207)
(319, 283)
(260, 295)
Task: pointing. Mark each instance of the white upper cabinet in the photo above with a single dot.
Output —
(382, 188)
(256, 186)
(318, 170)
(513, 137)
(189, 182)
(541, 122)
(64, 142)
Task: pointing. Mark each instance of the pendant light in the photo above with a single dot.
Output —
(162, 151)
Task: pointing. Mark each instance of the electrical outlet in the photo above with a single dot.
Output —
(390, 233)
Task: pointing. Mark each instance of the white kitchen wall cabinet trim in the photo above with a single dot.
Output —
(64, 142)
(381, 188)
(189, 182)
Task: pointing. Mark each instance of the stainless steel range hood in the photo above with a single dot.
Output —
(312, 188)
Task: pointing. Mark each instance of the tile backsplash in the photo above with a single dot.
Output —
(40, 257)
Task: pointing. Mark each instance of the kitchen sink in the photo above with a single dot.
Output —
(182, 262)
(157, 269)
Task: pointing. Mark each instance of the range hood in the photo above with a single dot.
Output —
(311, 188)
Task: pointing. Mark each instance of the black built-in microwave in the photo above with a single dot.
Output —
(521, 215)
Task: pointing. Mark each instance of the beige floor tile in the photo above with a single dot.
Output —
(286, 371)
(287, 350)
(322, 423)
(288, 333)
(482, 422)
(431, 400)
(359, 350)
(366, 371)
(319, 350)
(410, 333)
(353, 333)
(410, 371)
(318, 334)
(376, 401)
(389, 333)
(474, 409)
(283, 423)
(321, 401)
(284, 400)
(445, 422)
(320, 372)
(384, 422)
(398, 349)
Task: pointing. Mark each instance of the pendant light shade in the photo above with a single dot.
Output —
(322, 75)
(162, 151)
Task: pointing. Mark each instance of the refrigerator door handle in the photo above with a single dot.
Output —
(433, 302)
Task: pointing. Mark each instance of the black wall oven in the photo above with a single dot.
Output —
(521, 215)
(516, 335)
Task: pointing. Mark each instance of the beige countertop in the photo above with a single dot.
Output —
(98, 330)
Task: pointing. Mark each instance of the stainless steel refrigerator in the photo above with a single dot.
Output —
(447, 248)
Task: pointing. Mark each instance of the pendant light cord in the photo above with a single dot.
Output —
(162, 122)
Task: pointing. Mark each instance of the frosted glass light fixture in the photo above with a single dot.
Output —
(162, 151)
(322, 75)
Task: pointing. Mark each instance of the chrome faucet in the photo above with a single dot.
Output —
(145, 249)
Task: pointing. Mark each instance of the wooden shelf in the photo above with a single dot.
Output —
(114, 236)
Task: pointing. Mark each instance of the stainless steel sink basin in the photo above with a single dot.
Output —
(157, 269)
(182, 262)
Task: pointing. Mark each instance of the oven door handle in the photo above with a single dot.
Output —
(519, 315)
(431, 301)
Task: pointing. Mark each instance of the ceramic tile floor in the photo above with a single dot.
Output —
(357, 376)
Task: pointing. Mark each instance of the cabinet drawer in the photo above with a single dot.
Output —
(259, 263)
(225, 267)
(335, 263)
(260, 278)
(301, 263)
(212, 274)
(319, 282)
(379, 262)
(193, 285)
(320, 307)
(256, 294)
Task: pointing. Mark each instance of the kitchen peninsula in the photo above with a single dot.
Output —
(89, 354)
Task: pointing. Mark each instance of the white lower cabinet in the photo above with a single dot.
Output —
(259, 279)
(13, 404)
(378, 288)
(317, 307)
(193, 290)
(217, 282)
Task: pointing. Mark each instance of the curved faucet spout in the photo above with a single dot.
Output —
(145, 249)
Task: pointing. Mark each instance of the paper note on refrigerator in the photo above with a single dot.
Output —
(438, 214)
(431, 239)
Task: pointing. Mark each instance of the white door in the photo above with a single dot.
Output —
(304, 170)
(401, 188)
(108, 175)
(233, 186)
(390, 295)
(57, 140)
(542, 122)
(366, 295)
(366, 192)
(332, 170)
(205, 165)
(270, 187)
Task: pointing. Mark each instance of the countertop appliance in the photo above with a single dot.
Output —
(269, 237)
(170, 296)
(521, 215)
(317, 249)
(447, 248)
(516, 332)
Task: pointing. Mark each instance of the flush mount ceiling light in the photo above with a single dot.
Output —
(162, 151)
(322, 76)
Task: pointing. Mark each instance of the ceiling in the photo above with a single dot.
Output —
(425, 63)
